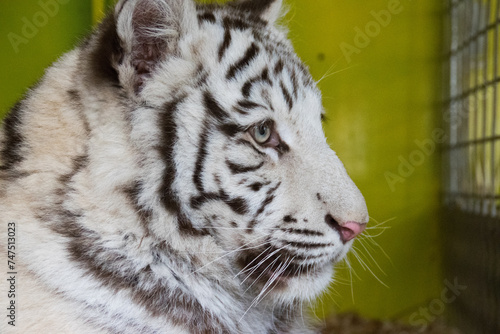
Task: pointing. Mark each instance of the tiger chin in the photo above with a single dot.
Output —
(171, 175)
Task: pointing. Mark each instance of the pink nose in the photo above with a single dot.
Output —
(351, 230)
(348, 230)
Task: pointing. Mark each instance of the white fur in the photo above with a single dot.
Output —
(117, 134)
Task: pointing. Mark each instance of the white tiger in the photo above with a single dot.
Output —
(171, 175)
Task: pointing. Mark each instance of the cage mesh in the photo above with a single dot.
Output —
(471, 219)
(472, 95)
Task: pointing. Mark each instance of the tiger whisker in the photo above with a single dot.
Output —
(242, 248)
(333, 73)
(352, 284)
(252, 270)
(248, 268)
(331, 292)
(260, 263)
(366, 243)
(377, 223)
(263, 271)
(227, 254)
(367, 236)
(245, 228)
(355, 252)
(328, 71)
(373, 259)
(281, 268)
(351, 270)
(374, 243)
(366, 267)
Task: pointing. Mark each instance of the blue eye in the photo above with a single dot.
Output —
(261, 133)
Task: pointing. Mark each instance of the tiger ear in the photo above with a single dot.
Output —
(149, 31)
(267, 10)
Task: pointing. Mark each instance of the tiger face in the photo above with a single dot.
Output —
(247, 160)
(173, 167)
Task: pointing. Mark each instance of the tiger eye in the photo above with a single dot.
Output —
(262, 133)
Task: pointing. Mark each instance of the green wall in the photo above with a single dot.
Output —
(380, 92)
(32, 35)
(380, 87)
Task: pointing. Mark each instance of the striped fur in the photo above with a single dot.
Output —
(145, 202)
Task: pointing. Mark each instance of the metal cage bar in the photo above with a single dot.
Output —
(471, 164)
(472, 154)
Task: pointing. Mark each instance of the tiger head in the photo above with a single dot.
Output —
(240, 156)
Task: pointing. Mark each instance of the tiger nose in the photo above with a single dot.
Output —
(348, 230)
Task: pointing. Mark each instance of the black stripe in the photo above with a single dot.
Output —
(278, 68)
(287, 96)
(168, 196)
(230, 23)
(307, 245)
(118, 11)
(309, 257)
(282, 148)
(186, 227)
(198, 201)
(107, 51)
(240, 111)
(216, 112)
(225, 44)
(269, 199)
(289, 219)
(208, 17)
(246, 104)
(200, 159)
(304, 232)
(213, 108)
(247, 87)
(231, 129)
(237, 204)
(13, 142)
(236, 23)
(249, 144)
(201, 76)
(169, 133)
(79, 162)
(76, 99)
(243, 62)
(264, 77)
(295, 84)
(256, 7)
(155, 294)
(256, 186)
(110, 267)
(132, 193)
(251, 225)
(239, 169)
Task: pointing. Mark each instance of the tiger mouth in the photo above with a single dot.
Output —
(273, 264)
